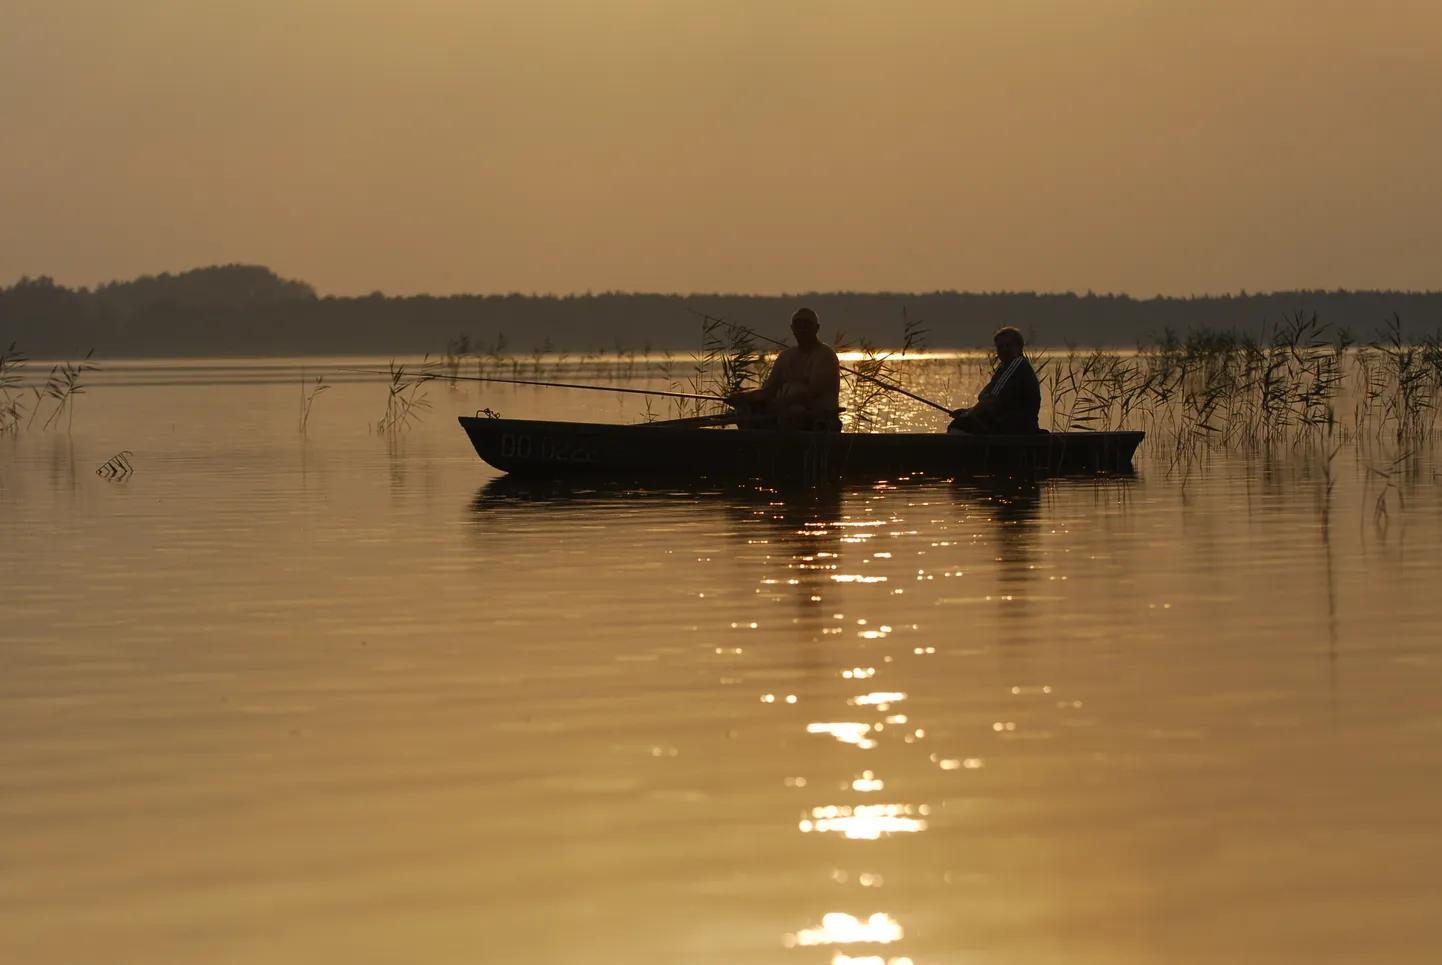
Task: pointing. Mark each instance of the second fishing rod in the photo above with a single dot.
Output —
(860, 375)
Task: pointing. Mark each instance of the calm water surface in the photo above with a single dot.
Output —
(349, 698)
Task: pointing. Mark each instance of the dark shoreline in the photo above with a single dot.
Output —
(241, 311)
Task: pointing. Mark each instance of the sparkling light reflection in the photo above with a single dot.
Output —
(876, 697)
(867, 782)
(865, 822)
(838, 928)
(848, 732)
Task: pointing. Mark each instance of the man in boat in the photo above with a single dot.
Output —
(803, 389)
(1011, 401)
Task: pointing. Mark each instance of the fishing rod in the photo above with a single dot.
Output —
(554, 385)
(859, 375)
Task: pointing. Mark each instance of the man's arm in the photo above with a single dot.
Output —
(831, 380)
(762, 393)
(989, 398)
(985, 402)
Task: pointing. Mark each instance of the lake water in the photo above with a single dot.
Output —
(344, 697)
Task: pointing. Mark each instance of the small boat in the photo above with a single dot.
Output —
(551, 449)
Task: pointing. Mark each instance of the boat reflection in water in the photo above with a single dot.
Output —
(850, 574)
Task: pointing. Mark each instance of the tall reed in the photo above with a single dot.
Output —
(12, 409)
(308, 399)
(62, 386)
(728, 361)
(406, 398)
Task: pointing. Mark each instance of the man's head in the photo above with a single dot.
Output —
(804, 326)
(1008, 343)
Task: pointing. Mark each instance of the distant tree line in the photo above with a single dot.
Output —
(249, 310)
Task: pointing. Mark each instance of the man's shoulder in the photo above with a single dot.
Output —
(1027, 377)
(1015, 372)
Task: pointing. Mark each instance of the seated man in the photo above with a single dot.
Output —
(1011, 401)
(803, 389)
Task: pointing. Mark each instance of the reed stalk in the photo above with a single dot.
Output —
(12, 408)
(458, 349)
(406, 398)
(308, 399)
(63, 385)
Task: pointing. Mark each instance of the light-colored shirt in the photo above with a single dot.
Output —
(813, 376)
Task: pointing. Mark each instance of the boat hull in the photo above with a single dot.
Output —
(536, 448)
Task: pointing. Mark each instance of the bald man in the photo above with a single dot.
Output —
(803, 389)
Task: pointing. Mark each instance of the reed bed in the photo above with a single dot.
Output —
(868, 401)
(12, 411)
(1302, 384)
(729, 357)
(1299, 382)
(727, 361)
(62, 386)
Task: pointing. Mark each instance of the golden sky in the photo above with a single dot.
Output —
(736, 145)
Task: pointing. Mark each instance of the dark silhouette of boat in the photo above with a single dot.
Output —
(552, 449)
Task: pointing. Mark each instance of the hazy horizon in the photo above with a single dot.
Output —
(768, 148)
(364, 290)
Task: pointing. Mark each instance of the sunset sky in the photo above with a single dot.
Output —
(1145, 146)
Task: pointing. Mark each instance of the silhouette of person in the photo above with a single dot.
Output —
(803, 389)
(1011, 401)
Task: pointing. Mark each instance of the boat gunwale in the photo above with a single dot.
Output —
(650, 431)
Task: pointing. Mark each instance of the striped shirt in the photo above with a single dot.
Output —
(1018, 396)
